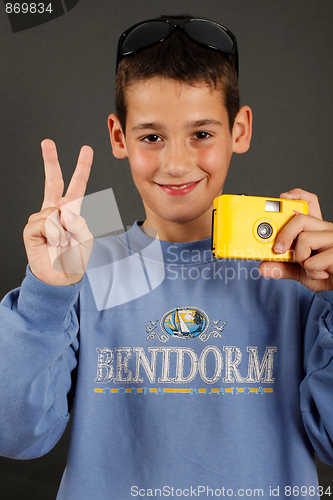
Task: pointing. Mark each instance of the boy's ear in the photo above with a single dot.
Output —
(242, 130)
(117, 137)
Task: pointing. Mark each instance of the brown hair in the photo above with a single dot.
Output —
(182, 59)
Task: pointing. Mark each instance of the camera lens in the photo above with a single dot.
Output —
(265, 230)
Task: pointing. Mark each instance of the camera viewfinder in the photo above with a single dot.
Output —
(272, 206)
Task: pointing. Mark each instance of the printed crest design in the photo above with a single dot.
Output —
(184, 322)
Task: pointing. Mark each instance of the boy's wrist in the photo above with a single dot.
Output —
(46, 306)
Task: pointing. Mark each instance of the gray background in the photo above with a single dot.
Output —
(57, 82)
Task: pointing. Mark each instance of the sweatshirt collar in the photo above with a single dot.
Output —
(170, 252)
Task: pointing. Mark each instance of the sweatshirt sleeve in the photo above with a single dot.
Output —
(316, 390)
(38, 345)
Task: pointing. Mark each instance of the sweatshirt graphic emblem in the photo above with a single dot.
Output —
(184, 323)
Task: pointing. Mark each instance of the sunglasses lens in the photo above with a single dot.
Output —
(145, 35)
(209, 34)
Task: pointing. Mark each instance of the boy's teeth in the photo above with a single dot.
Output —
(179, 187)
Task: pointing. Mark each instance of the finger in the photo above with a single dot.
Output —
(64, 235)
(51, 233)
(76, 225)
(78, 183)
(279, 270)
(320, 265)
(312, 241)
(43, 214)
(283, 270)
(310, 198)
(294, 227)
(54, 184)
(43, 230)
(74, 258)
(52, 216)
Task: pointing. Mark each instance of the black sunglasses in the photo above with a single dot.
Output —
(153, 31)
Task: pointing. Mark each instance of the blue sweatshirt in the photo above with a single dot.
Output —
(191, 377)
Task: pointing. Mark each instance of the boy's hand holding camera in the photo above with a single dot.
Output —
(313, 248)
(57, 240)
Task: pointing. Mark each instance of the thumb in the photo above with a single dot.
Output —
(76, 225)
(279, 270)
(73, 258)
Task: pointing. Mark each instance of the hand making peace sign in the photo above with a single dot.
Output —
(57, 239)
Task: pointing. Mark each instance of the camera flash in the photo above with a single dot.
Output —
(272, 206)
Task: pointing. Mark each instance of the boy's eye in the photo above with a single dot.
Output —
(151, 138)
(202, 135)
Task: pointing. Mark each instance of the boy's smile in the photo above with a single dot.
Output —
(179, 147)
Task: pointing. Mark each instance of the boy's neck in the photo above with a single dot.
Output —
(180, 232)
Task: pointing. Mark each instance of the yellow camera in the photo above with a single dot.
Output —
(245, 227)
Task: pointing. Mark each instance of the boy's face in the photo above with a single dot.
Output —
(179, 147)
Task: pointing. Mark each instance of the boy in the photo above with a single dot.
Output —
(210, 382)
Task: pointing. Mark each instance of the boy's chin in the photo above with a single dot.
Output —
(189, 221)
(179, 216)
(188, 215)
(181, 219)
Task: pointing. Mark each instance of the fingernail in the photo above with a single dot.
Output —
(65, 243)
(278, 247)
(52, 245)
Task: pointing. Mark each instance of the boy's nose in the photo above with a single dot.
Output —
(177, 159)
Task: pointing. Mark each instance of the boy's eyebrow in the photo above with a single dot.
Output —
(159, 126)
(200, 123)
(144, 126)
